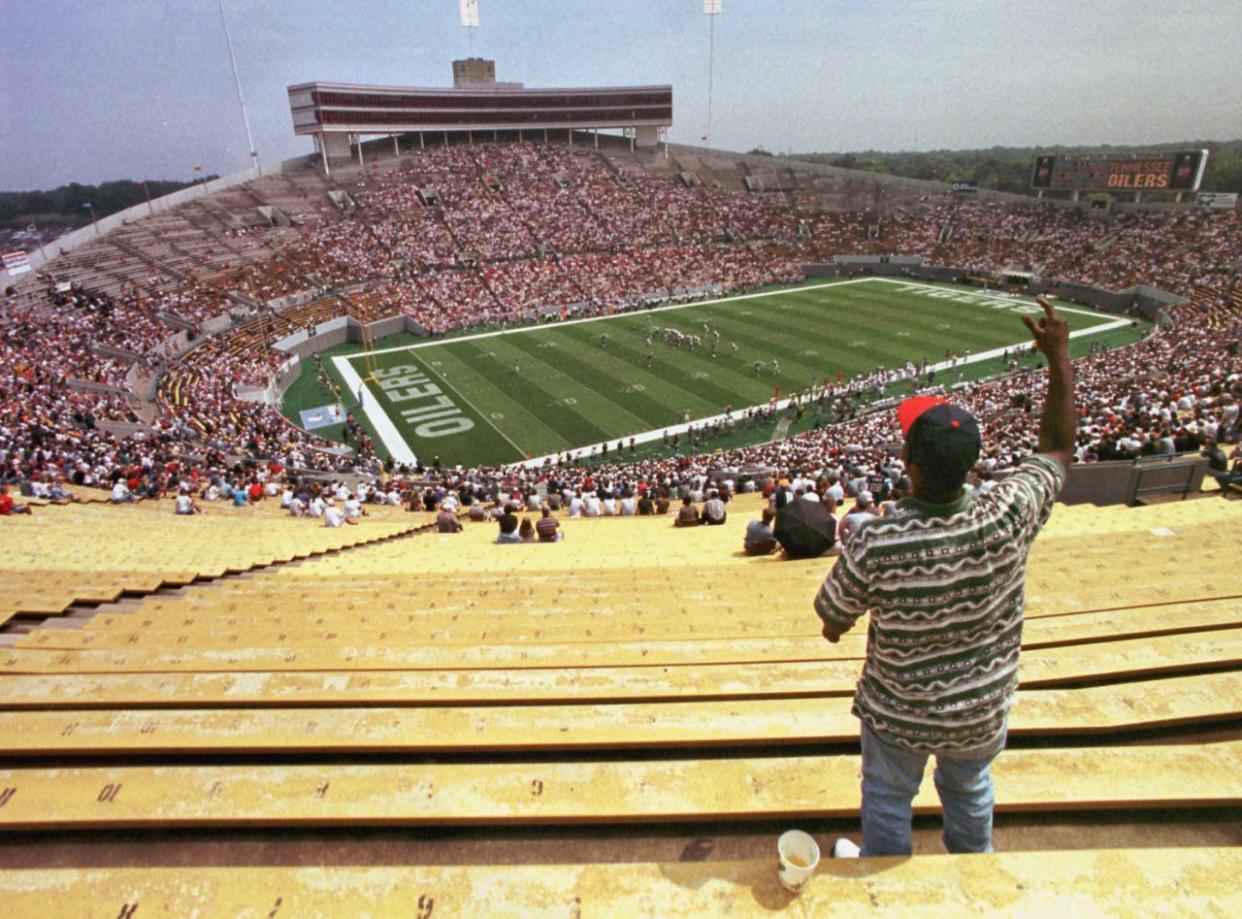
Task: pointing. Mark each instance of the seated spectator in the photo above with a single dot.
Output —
(334, 517)
(862, 511)
(508, 527)
(353, 508)
(759, 538)
(688, 515)
(805, 529)
(58, 494)
(8, 506)
(185, 504)
(894, 500)
(447, 522)
(122, 493)
(526, 532)
(646, 507)
(714, 512)
(1233, 476)
(548, 528)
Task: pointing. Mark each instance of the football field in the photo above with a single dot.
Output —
(501, 397)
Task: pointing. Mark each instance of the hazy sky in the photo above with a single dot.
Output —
(102, 89)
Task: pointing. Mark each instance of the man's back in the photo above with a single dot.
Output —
(944, 584)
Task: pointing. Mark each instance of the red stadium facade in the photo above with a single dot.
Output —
(337, 114)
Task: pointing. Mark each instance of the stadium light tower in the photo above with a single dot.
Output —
(712, 9)
(228, 40)
(470, 19)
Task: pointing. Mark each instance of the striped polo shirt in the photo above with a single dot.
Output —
(944, 585)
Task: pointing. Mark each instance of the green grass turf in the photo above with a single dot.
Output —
(571, 391)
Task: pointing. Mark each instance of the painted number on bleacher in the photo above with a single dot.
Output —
(536, 787)
(425, 905)
(6, 794)
(108, 793)
(128, 910)
(322, 790)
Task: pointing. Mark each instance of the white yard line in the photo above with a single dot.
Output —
(462, 396)
(375, 413)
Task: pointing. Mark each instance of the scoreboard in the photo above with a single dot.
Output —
(1136, 172)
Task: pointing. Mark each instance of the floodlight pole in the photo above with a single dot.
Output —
(711, 58)
(228, 40)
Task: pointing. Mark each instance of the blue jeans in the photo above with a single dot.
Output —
(891, 778)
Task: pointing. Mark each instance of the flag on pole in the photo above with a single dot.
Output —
(470, 13)
(712, 7)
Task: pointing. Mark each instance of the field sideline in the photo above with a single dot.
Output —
(522, 394)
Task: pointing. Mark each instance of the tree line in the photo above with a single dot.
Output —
(1009, 168)
(67, 204)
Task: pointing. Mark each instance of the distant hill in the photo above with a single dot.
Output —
(1009, 168)
(66, 205)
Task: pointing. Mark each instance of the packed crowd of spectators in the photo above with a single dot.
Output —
(464, 235)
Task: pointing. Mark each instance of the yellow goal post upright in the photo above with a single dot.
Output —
(368, 339)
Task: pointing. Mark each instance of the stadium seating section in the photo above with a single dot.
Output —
(632, 673)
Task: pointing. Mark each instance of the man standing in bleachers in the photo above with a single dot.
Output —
(943, 578)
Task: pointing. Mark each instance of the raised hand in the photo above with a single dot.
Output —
(1051, 332)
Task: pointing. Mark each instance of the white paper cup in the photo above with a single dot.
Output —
(799, 857)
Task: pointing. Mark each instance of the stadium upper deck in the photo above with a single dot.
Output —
(330, 112)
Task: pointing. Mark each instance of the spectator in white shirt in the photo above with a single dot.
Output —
(334, 517)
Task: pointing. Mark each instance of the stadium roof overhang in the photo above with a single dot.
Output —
(350, 108)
